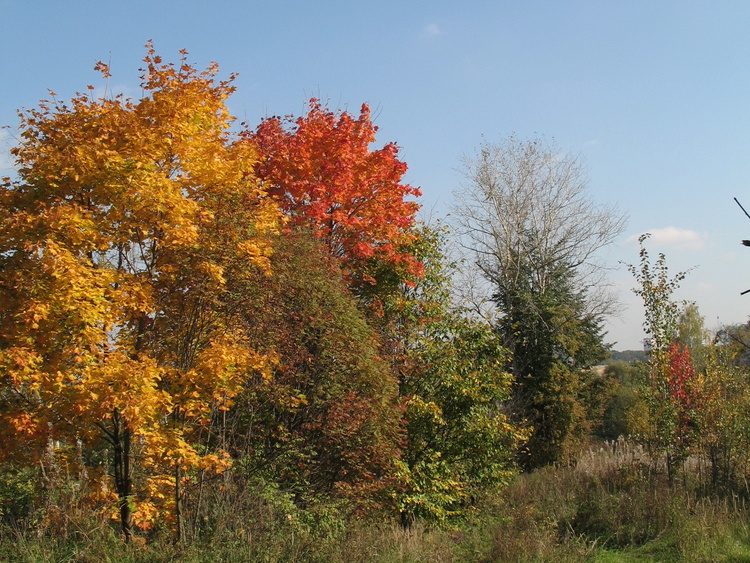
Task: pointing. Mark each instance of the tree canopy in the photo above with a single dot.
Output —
(533, 233)
(128, 223)
(320, 169)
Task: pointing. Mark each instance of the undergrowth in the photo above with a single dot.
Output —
(613, 505)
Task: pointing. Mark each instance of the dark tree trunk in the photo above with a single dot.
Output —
(121, 442)
(178, 503)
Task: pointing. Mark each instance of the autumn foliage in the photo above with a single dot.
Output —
(121, 239)
(322, 172)
(684, 392)
(185, 311)
(215, 333)
(681, 376)
(330, 419)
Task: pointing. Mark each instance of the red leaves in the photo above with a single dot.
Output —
(684, 391)
(321, 170)
(681, 374)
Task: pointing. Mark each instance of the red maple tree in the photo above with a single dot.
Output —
(321, 170)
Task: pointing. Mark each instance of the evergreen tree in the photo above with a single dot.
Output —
(534, 235)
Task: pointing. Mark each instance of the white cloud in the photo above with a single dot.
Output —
(704, 287)
(431, 30)
(676, 237)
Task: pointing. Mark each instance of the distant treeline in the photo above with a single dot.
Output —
(627, 356)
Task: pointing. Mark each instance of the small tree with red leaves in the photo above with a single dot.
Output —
(666, 428)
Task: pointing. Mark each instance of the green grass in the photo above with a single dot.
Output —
(611, 507)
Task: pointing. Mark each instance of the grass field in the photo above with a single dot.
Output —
(613, 505)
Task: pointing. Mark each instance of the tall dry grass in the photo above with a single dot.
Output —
(614, 504)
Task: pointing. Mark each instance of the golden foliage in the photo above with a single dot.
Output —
(120, 246)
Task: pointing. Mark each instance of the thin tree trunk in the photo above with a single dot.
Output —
(121, 442)
(178, 503)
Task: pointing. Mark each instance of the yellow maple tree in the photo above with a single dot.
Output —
(123, 240)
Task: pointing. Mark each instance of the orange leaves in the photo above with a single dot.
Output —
(323, 174)
(103, 68)
(219, 374)
(212, 271)
(145, 514)
(24, 424)
(130, 249)
(128, 386)
(120, 246)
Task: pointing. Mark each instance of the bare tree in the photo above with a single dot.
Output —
(525, 209)
(534, 234)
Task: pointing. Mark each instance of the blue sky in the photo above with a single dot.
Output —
(653, 95)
